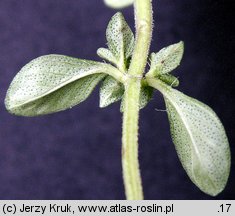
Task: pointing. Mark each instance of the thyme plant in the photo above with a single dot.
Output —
(54, 83)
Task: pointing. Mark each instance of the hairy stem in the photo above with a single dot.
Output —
(130, 163)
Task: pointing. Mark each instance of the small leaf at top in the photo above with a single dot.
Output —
(110, 91)
(167, 59)
(118, 3)
(52, 83)
(199, 138)
(120, 40)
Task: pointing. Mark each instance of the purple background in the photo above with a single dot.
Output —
(75, 154)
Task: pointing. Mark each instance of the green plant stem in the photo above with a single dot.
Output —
(130, 163)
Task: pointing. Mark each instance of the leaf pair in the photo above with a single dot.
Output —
(53, 83)
(120, 41)
(199, 136)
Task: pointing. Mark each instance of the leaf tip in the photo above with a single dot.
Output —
(117, 16)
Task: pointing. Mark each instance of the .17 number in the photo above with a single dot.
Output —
(225, 207)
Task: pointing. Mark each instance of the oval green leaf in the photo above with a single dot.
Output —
(167, 59)
(200, 139)
(120, 40)
(53, 83)
(111, 91)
